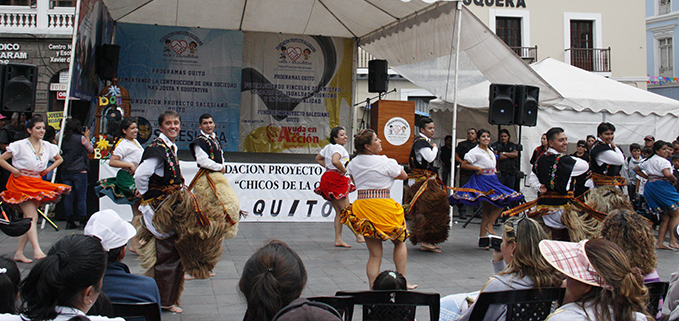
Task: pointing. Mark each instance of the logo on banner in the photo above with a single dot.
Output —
(296, 51)
(180, 44)
(397, 131)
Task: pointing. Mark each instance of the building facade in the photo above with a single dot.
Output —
(662, 20)
(39, 32)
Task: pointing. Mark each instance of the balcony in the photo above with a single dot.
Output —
(363, 58)
(528, 54)
(596, 60)
(39, 20)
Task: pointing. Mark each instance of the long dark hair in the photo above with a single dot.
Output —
(272, 278)
(73, 126)
(10, 276)
(658, 145)
(334, 133)
(74, 263)
(125, 124)
(31, 122)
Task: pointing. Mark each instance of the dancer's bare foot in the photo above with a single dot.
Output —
(360, 239)
(39, 255)
(662, 247)
(133, 250)
(429, 249)
(173, 308)
(411, 286)
(22, 258)
(674, 246)
(342, 244)
(191, 277)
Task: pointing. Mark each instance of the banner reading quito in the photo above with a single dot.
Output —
(190, 70)
(295, 89)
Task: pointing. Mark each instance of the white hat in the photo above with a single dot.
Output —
(110, 229)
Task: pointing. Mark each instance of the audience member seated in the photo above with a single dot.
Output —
(65, 284)
(9, 285)
(632, 233)
(273, 278)
(600, 283)
(518, 266)
(670, 309)
(390, 280)
(119, 284)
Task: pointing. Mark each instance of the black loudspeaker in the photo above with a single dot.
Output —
(501, 107)
(378, 77)
(526, 101)
(19, 82)
(107, 64)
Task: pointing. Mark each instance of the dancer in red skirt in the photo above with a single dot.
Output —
(335, 186)
(25, 188)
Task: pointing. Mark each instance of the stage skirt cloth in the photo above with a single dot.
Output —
(26, 188)
(379, 218)
(334, 186)
(661, 196)
(500, 197)
(120, 189)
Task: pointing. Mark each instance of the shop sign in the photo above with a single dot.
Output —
(61, 95)
(58, 87)
(497, 3)
(61, 53)
(10, 52)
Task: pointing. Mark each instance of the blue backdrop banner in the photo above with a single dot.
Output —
(190, 70)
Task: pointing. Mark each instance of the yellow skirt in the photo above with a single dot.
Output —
(380, 218)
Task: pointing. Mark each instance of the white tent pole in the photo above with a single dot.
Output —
(68, 93)
(451, 179)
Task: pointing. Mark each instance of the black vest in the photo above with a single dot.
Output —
(173, 174)
(209, 145)
(75, 155)
(604, 169)
(419, 143)
(555, 180)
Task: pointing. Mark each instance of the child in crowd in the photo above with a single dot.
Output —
(9, 285)
(390, 280)
(628, 170)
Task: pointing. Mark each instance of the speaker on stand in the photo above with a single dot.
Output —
(378, 76)
(19, 82)
(501, 104)
(526, 101)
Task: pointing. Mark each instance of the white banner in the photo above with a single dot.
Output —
(268, 192)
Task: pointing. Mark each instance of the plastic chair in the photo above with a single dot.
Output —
(343, 304)
(524, 305)
(656, 291)
(394, 305)
(128, 311)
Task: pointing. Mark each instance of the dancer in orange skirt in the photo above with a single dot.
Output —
(25, 187)
(335, 186)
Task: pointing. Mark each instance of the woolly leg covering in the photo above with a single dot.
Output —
(430, 221)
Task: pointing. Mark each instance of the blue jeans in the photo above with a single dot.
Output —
(78, 183)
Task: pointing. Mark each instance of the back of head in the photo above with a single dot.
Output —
(305, 310)
(527, 260)
(364, 137)
(390, 280)
(74, 263)
(10, 276)
(272, 278)
(623, 289)
(73, 126)
(632, 232)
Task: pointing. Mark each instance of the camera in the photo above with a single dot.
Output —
(492, 241)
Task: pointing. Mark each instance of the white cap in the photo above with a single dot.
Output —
(110, 229)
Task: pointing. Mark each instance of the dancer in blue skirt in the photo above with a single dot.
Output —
(659, 191)
(484, 186)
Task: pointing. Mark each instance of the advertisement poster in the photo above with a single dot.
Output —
(295, 90)
(189, 70)
(95, 28)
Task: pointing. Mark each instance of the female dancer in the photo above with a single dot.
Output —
(25, 188)
(659, 191)
(600, 284)
(481, 160)
(126, 156)
(335, 186)
(374, 214)
(518, 266)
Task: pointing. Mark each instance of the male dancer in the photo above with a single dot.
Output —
(551, 176)
(429, 219)
(606, 158)
(212, 187)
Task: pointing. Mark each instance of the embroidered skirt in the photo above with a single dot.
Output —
(334, 186)
(380, 218)
(26, 188)
(661, 196)
(501, 195)
(120, 189)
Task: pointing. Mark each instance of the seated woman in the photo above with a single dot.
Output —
(518, 265)
(633, 234)
(10, 276)
(66, 283)
(273, 278)
(600, 283)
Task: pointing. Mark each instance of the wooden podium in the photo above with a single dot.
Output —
(394, 123)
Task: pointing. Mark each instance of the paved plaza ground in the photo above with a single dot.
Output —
(462, 267)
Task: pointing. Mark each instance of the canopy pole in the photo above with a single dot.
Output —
(67, 101)
(451, 179)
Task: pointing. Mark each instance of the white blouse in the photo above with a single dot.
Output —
(24, 157)
(654, 166)
(330, 150)
(129, 151)
(478, 157)
(373, 171)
